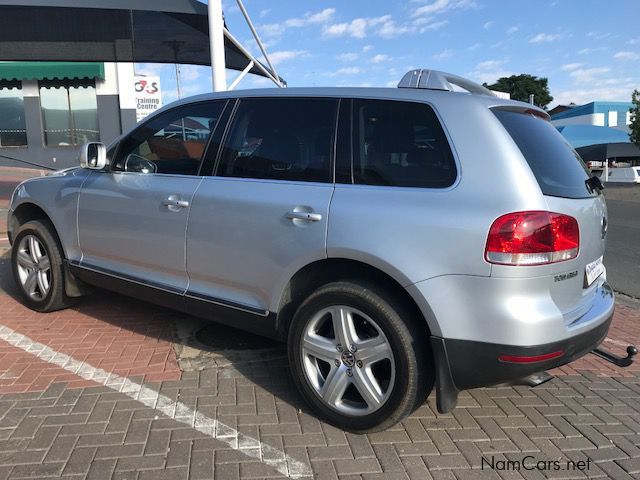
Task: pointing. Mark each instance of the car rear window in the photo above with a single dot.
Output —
(558, 168)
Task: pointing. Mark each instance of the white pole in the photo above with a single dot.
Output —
(178, 82)
(255, 35)
(216, 40)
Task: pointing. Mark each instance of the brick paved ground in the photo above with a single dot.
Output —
(54, 424)
(174, 408)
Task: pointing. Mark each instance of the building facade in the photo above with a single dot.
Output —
(602, 114)
(48, 110)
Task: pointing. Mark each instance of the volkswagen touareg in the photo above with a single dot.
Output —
(395, 238)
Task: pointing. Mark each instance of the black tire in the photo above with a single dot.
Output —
(407, 336)
(56, 298)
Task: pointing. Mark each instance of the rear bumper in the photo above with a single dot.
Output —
(465, 364)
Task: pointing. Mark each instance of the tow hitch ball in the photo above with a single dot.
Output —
(619, 361)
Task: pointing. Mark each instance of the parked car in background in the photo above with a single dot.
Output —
(357, 225)
(624, 175)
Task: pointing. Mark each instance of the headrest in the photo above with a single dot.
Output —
(393, 135)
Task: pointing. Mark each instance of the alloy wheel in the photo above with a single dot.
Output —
(34, 267)
(348, 360)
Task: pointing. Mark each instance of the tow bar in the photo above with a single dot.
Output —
(615, 359)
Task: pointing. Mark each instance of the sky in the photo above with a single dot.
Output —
(588, 49)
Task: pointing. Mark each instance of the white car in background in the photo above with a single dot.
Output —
(624, 175)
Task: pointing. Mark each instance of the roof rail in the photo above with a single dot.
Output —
(436, 80)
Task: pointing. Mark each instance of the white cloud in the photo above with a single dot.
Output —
(191, 73)
(586, 51)
(360, 28)
(489, 64)
(633, 41)
(513, 29)
(277, 29)
(428, 25)
(379, 58)
(347, 57)
(256, 81)
(367, 48)
(440, 6)
(356, 28)
(489, 71)
(390, 29)
(585, 75)
(599, 35)
(284, 55)
(545, 38)
(432, 8)
(265, 12)
(384, 26)
(152, 69)
(568, 67)
(626, 56)
(345, 71)
(618, 91)
(488, 25)
(321, 17)
(443, 55)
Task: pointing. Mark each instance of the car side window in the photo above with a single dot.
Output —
(172, 143)
(281, 139)
(400, 144)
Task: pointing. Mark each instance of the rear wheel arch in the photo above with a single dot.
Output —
(314, 275)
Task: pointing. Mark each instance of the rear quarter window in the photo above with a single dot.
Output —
(558, 168)
(400, 144)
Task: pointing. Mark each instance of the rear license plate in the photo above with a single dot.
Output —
(593, 270)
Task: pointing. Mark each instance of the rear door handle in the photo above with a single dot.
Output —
(309, 217)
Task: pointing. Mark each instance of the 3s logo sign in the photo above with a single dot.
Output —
(146, 86)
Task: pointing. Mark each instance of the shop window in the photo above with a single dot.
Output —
(69, 112)
(13, 130)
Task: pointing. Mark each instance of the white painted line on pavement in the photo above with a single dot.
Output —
(280, 461)
(617, 342)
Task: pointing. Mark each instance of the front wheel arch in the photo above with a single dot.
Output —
(28, 212)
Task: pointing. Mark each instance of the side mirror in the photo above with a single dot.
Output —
(93, 155)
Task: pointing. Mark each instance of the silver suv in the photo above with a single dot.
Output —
(396, 239)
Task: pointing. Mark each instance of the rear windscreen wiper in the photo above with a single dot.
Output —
(594, 183)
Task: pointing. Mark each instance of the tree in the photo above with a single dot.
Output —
(521, 86)
(634, 135)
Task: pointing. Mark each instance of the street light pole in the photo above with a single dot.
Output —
(216, 40)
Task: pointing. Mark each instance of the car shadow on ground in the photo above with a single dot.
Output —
(199, 344)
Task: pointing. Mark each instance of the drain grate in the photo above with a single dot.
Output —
(221, 337)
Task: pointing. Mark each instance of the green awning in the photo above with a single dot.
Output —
(51, 70)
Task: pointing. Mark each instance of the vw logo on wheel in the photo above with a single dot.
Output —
(348, 359)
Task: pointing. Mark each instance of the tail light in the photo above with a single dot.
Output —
(530, 358)
(532, 238)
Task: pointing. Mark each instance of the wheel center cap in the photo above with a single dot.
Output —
(348, 359)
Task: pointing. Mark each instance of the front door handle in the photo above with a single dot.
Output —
(309, 217)
(174, 202)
